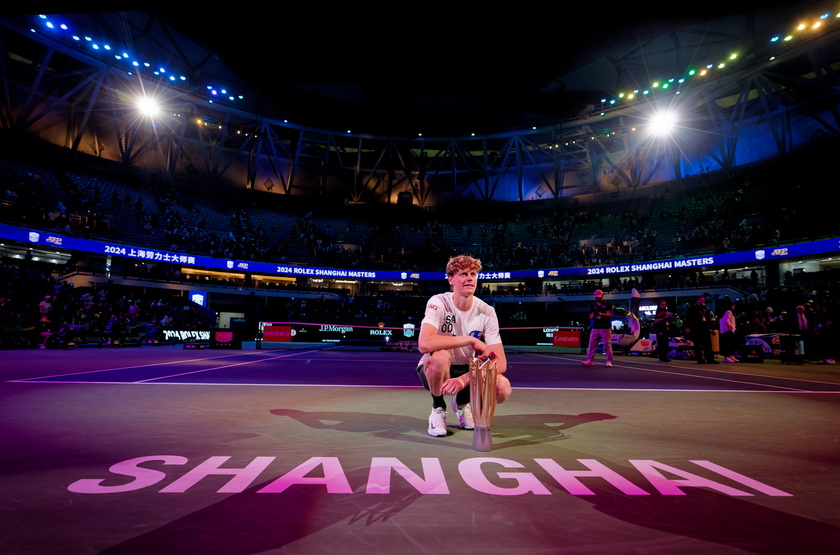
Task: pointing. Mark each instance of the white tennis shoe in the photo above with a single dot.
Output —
(465, 416)
(437, 422)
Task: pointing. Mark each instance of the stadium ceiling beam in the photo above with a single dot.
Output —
(265, 144)
(377, 183)
(819, 88)
(309, 161)
(359, 181)
(57, 80)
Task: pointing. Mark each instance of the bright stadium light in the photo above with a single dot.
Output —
(148, 106)
(663, 123)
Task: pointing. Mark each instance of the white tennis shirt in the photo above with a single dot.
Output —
(480, 320)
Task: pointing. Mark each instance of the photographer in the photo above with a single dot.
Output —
(699, 323)
(601, 329)
(663, 323)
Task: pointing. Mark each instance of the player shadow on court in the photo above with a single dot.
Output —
(524, 429)
(711, 516)
(535, 429)
(250, 522)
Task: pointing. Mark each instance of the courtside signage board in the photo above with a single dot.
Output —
(225, 339)
(307, 332)
(566, 338)
(48, 239)
(281, 334)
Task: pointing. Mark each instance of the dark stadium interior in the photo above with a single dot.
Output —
(208, 319)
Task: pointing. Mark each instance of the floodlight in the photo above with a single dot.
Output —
(148, 106)
(663, 123)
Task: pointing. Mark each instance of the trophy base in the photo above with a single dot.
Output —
(482, 439)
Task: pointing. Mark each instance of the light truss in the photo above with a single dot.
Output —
(67, 96)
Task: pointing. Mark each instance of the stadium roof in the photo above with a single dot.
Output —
(445, 69)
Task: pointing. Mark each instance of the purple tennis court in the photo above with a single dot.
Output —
(167, 450)
(215, 280)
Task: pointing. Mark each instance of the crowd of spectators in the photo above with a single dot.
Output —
(35, 305)
(730, 214)
(771, 309)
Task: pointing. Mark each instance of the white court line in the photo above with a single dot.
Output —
(155, 381)
(721, 379)
(229, 384)
(39, 378)
(379, 386)
(211, 369)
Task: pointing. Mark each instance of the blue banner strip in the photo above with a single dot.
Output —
(761, 255)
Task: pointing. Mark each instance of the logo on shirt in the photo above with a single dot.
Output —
(448, 323)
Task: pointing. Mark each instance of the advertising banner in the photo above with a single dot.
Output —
(277, 333)
(566, 338)
(225, 339)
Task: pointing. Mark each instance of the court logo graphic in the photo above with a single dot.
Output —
(34, 236)
(479, 474)
(408, 330)
(759, 254)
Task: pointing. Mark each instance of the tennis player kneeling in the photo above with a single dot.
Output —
(457, 327)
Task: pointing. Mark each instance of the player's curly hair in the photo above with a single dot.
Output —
(462, 262)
